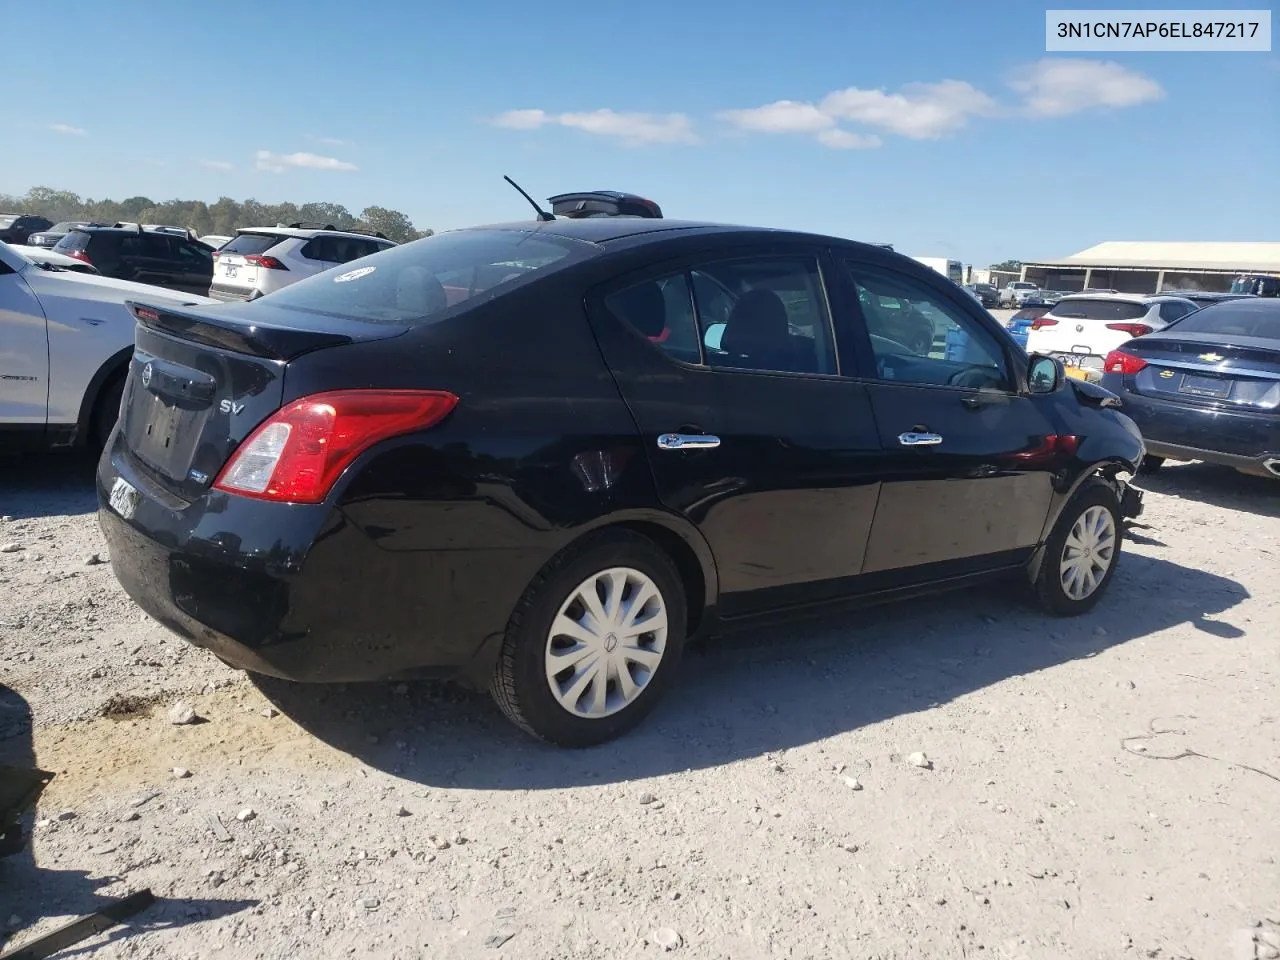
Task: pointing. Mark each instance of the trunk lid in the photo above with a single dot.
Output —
(1202, 370)
(200, 380)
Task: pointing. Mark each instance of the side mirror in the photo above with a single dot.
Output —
(1045, 374)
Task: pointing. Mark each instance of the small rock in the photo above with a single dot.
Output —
(918, 759)
(182, 713)
(402, 811)
(92, 560)
(67, 815)
(1126, 685)
(443, 912)
(370, 903)
(496, 940)
(647, 798)
(940, 901)
(270, 712)
(245, 815)
(11, 548)
(440, 843)
(181, 773)
(666, 938)
(130, 816)
(852, 783)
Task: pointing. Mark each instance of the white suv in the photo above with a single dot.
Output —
(1083, 328)
(258, 260)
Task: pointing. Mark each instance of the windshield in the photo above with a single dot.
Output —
(65, 227)
(1241, 318)
(417, 282)
(1099, 309)
(6, 222)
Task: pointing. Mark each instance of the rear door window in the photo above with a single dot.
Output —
(416, 283)
(156, 246)
(1089, 309)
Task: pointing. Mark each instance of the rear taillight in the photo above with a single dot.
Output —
(270, 263)
(1132, 329)
(79, 255)
(1120, 362)
(296, 455)
(1041, 322)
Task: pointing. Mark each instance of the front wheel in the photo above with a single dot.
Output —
(593, 641)
(1081, 553)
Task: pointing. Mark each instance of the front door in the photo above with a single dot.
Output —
(969, 456)
(730, 369)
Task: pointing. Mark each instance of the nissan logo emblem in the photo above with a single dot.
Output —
(146, 375)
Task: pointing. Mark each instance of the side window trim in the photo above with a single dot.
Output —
(848, 263)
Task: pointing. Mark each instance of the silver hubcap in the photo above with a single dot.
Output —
(606, 642)
(1089, 552)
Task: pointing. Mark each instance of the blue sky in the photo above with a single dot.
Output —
(945, 129)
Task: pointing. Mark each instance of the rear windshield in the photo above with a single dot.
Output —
(1100, 309)
(412, 283)
(1030, 313)
(6, 222)
(64, 227)
(1235, 318)
(251, 244)
(75, 240)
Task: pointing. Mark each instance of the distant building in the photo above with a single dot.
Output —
(1142, 267)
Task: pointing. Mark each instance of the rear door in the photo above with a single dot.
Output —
(968, 458)
(193, 263)
(729, 366)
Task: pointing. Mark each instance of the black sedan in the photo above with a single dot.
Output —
(1207, 387)
(541, 456)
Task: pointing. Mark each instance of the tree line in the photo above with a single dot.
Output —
(221, 217)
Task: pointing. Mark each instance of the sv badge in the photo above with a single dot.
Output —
(230, 406)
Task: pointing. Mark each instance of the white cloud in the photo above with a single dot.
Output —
(216, 165)
(279, 162)
(782, 116)
(68, 130)
(921, 111)
(1055, 87)
(331, 141)
(631, 129)
(838, 139)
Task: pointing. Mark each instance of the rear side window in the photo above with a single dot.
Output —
(1234, 318)
(412, 284)
(1099, 309)
(157, 246)
(251, 244)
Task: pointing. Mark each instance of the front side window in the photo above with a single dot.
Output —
(918, 336)
(414, 283)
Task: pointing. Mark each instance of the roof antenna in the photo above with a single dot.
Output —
(542, 214)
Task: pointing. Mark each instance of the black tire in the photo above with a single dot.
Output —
(520, 684)
(1047, 586)
(105, 412)
(1150, 464)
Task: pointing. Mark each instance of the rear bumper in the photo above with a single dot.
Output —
(1266, 465)
(1249, 442)
(229, 294)
(299, 592)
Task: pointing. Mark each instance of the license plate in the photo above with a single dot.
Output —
(1072, 359)
(230, 269)
(1211, 387)
(124, 498)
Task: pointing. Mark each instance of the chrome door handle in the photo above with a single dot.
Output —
(687, 441)
(919, 439)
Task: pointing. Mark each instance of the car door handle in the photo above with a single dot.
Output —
(687, 441)
(919, 439)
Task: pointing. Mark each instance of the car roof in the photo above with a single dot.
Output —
(1122, 297)
(642, 230)
(306, 233)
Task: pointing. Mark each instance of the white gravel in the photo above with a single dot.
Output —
(1098, 788)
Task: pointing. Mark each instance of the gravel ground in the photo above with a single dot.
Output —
(1097, 788)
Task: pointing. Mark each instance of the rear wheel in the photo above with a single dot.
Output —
(106, 411)
(1081, 553)
(593, 642)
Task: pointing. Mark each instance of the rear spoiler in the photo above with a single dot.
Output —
(233, 333)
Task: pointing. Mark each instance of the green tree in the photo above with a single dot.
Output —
(392, 224)
(1007, 265)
